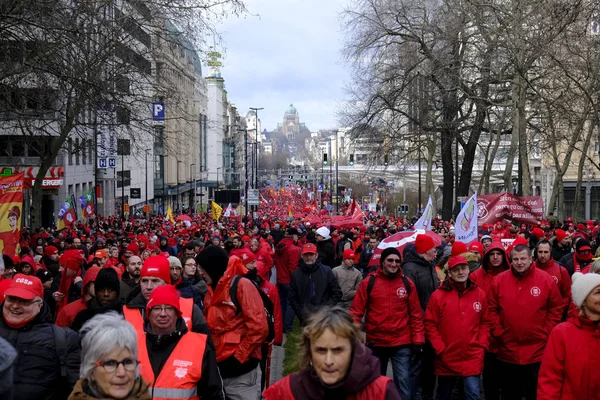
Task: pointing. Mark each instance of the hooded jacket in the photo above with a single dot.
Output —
(192, 288)
(569, 366)
(484, 276)
(392, 312)
(37, 367)
(313, 286)
(287, 255)
(458, 328)
(363, 381)
(560, 275)
(326, 251)
(523, 312)
(421, 272)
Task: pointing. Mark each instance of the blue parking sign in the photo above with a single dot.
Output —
(158, 113)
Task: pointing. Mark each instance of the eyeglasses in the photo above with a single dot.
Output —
(112, 365)
(20, 301)
(393, 260)
(166, 309)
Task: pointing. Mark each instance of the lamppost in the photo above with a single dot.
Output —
(193, 183)
(256, 110)
(177, 199)
(146, 160)
(218, 168)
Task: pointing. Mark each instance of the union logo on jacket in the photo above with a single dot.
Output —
(457, 325)
(524, 310)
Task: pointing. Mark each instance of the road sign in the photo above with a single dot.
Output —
(112, 162)
(102, 163)
(320, 187)
(158, 113)
(135, 193)
(252, 197)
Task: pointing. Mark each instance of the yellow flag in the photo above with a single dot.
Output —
(217, 210)
(170, 214)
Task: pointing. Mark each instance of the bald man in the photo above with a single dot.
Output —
(131, 277)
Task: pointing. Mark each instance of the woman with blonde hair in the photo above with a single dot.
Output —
(334, 363)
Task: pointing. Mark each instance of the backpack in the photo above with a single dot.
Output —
(267, 305)
(372, 283)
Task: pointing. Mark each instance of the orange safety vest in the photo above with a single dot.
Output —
(134, 316)
(180, 375)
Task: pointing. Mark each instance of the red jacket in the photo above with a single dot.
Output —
(67, 314)
(569, 366)
(457, 325)
(271, 291)
(287, 255)
(523, 311)
(561, 278)
(392, 317)
(239, 335)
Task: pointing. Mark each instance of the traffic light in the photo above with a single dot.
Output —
(324, 158)
(351, 159)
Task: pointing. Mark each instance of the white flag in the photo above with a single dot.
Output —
(228, 211)
(425, 221)
(465, 229)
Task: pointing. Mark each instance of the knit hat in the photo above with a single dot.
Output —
(583, 286)
(44, 275)
(538, 232)
(560, 235)
(163, 295)
(457, 260)
(174, 262)
(424, 243)
(582, 244)
(213, 260)
(386, 252)
(107, 279)
(158, 267)
(49, 250)
(476, 246)
(133, 247)
(323, 232)
(26, 287)
(457, 248)
(348, 253)
(71, 259)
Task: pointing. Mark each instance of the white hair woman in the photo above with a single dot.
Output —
(109, 364)
(570, 360)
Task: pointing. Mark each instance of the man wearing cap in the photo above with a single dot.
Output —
(312, 285)
(389, 304)
(50, 257)
(193, 371)
(561, 245)
(457, 326)
(41, 346)
(156, 272)
(524, 305)
(287, 256)
(581, 260)
(326, 247)
(348, 278)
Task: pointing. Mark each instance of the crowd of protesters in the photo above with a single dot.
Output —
(190, 308)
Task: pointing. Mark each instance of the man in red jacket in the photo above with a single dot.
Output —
(525, 305)
(457, 326)
(545, 262)
(393, 320)
(287, 255)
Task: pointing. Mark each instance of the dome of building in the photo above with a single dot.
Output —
(291, 110)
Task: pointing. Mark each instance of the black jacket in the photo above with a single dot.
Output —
(312, 286)
(127, 285)
(326, 251)
(199, 325)
(365, 257)
(193, 288)
(37, 366)
(160, 347)
(93, 309)
(422, 273)
(559, 252)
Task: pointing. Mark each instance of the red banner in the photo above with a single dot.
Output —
(11, 210)
(492, 208)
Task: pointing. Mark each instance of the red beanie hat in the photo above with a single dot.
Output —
(133, 247)
(580, 227)
(49, 250)
(158, 267)
(476, 246)
(458, 248)
(424, 243)
(538, 233)
(560, 235)
(165, 295)
(71, 259)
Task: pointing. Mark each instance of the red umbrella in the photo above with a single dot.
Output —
(184, 217)
(400, 240)
(313, 220)
(347, 222)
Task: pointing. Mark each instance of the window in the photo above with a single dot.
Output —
(123, 178)
(70, 150)
(76, 151)
(123, 115)
(123, 147)
(83, 150)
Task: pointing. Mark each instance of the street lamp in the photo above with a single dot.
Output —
(256, 109)
(177, 200)
(193, 183)
(146, 160)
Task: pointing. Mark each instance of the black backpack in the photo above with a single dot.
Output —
(267, 305)
(372, 283)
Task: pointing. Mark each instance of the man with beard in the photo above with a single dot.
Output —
(562, 245)
(131, 277)
(50, 260)
(545, 262)
(582, 258)
(389, 303)
(312, 284)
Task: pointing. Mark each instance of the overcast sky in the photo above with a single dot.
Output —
(289, 53)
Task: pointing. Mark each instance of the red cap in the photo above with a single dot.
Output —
(26, 287)
(457, 260)
(476, 246)
(309, 248)
(100, 254)
(163, 295)
(71, 259)
(49, 250)
(458, 248)
(158, 267)
(581, 227)
(424, 243)
(348, 253)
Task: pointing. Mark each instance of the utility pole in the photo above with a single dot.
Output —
(256, 110)
(337, 161)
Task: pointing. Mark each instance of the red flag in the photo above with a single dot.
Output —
(351, 208)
